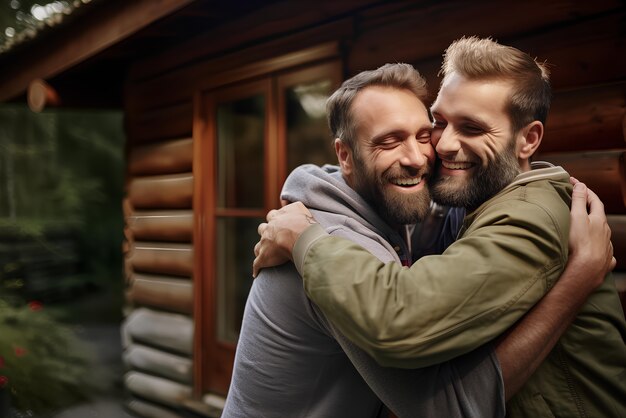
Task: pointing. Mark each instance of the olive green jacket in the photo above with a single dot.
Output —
(509, 253)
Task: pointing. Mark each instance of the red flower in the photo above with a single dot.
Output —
(3, 381)
(35, 305)
(19, 351)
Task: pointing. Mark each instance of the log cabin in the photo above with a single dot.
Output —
(222, 99)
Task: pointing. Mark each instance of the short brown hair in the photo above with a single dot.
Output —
(339, 104)
(477, 58)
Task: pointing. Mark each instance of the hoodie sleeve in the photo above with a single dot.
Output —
(443, 306)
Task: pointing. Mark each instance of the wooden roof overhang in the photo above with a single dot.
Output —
(86, 58)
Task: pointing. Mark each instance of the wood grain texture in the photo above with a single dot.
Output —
(170, 293)
(171, 121)
(603, 171)
(172, 191)
(157, 389)
(587, 118)
(173, 225)
(618, 238)
(165, 157)
(145, 409)
(159, 363)
(169, 331)
(162, 258)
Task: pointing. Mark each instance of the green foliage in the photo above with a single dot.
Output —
(65, 167)
(45, 366)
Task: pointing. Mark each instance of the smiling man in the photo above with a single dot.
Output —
(512, 247)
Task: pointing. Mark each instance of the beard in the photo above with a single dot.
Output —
(481, 186)
(394, 207)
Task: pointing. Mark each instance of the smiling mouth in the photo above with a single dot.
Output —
(452, 165)
(407, 181)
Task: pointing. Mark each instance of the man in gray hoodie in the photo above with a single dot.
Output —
(290, 361)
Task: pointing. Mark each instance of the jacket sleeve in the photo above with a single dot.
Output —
(443, 306)
(469, 386)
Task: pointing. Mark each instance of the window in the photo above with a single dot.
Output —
(254, 134)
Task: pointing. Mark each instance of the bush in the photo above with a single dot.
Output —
(43, 365)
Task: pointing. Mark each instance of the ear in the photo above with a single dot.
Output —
(344, 156)
(530, 139)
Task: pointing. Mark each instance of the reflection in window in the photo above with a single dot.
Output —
(235, 243)
(308, 137)
(240, 134)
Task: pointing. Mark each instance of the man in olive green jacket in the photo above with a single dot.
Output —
(488, 121)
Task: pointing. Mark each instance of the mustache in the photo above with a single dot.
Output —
(403, 172)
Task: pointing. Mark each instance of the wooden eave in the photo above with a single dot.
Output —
(64, 47)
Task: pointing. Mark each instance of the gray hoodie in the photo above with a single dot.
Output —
(291, 362)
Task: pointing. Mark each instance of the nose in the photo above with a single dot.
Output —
(414, 153)
(445, 141)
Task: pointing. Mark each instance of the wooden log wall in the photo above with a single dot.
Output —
(158, 331)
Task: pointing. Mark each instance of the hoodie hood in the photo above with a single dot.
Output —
(324, 191)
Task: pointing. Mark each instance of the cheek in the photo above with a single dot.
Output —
(435, 137)
(428, 151)
(381, 160)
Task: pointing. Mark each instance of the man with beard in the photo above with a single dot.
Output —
(512, 247)
(290, 362)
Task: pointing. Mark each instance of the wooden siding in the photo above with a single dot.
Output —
(587, 118)
(169, 293)
(165, 157)
(162, 258)
(603, 171)
(149, 410)
(159, 259)
(159, 363)
(172, 191)
(157, 389)
(618, 238)
(167, 331)
(173, 225)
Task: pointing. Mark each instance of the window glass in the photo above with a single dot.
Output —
(240, 135)
(235, 252)
(308, 137)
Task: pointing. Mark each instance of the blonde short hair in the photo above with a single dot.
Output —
(483, 58)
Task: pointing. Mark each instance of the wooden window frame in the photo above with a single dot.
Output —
(213, 359)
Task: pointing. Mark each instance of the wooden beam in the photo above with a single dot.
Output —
(618, 238)
(162, 258)
(163, 292)
(161, 123)
(165, 157)
(157, 389)
(172, 225)
(179, 85)
(603, 171)
(102, 26)
(159, 363)
(144, 408)
(173, 191)
(287, 16)
(397, 31)
(590, 118)
(169, 331)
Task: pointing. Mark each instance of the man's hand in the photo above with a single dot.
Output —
(279, 235)
(590, 247)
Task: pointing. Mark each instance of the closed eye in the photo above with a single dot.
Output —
(472, 130)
